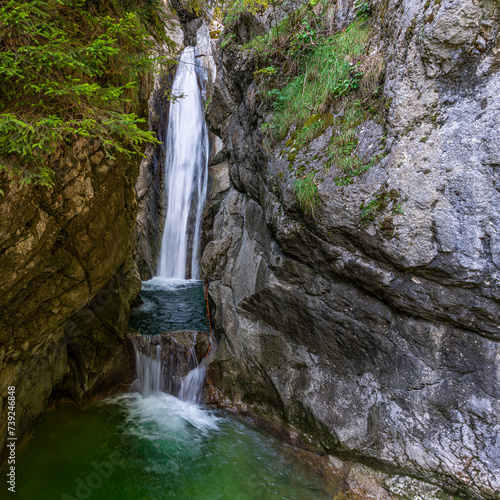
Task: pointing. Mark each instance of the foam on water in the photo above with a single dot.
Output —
(159, 283)
(164, 415)
(131, 447)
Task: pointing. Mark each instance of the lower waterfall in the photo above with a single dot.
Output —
(155, 375)
(173, 340)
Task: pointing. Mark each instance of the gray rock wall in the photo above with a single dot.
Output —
(149, 186)
(377, 344)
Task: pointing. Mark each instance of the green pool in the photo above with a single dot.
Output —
(131, 448)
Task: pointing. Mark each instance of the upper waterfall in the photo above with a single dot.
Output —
(185, 171)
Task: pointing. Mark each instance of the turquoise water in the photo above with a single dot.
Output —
(170, 304)
(133, 448)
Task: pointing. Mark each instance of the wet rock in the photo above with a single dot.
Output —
(176, 346)
(98, 361)
(378, 339)
(149, 186)
(175, 354)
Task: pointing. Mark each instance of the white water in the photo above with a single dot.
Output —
(156, 376)
(185, 171)
(149, 372)
(192, 383)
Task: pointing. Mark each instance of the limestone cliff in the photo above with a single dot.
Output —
(67, 278)
(374, 331)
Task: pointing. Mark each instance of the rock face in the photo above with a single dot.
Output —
(178, 345)
(66, 280)
(379, 338)
(149, 186)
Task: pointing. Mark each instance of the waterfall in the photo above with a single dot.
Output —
(158, 370)
(161, 369)
(149, 372)
(192, 383)
(185, 171)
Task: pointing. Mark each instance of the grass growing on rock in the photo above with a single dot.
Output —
(383, 201)
(329, 72)
(314, 76)
(306, 191)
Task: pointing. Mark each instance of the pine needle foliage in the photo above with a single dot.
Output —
(72, 68)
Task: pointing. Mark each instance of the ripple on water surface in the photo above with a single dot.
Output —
(170, 304)
(133, 448)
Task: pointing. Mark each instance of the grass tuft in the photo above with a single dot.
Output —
(306, 191)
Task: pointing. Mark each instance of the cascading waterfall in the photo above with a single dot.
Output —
(185, 194)
(155, 374)
(185, 171)
(149, 371)
(192, 383)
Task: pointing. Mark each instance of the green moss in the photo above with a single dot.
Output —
(387, 226)
(379, 204)
(410, 32)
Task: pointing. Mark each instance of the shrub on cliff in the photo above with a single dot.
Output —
(73, 68)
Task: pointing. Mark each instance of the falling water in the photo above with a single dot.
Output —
(192, 383)
(185, 194)
(149, 371)
(157, 373)
(185, 171)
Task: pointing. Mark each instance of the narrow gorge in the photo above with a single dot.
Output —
(294, 292)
